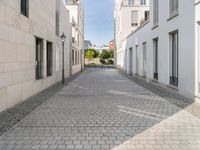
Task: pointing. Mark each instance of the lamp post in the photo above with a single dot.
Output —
(63, 38)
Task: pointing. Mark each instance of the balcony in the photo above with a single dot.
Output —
(134, 3)
(71, 2)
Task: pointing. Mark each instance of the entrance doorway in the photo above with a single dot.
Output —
(130, 61)
(144, 58)
(137, 60)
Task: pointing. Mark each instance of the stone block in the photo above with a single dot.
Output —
(5, 79)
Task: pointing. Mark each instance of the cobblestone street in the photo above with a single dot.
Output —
(102, 109)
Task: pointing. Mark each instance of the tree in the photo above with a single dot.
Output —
(90, 55)
(104, 55)
(111, 53)
(110, 61)
(95, 52)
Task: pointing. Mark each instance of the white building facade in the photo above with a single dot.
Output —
(76, 12)
(128, 15)
(30, 48)
(165, 49)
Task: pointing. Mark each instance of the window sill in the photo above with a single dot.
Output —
(154, 27)
(172, 87)
(172, 17)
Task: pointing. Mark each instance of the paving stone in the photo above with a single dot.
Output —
(103, 109)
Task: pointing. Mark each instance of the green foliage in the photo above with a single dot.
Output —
(110, 61)
(102, 61)
(89, 54)
(96, 53)
(104, 54)
(111, 53)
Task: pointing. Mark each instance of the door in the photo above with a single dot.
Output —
(137, 60)
(130, 61)
(174, 59)
(144, 58)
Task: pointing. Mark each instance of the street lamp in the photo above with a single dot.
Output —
(63, 38)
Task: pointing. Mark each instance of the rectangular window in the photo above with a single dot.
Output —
(155, 58)
(39, 59)
(146, 15)
(49, 59)
(134, 18)
(57, 17)
(73, 58)
(137, 59)
(143, 2)
(25, 7)
(173, 5)
(174, 58)
(78, 55)
(130, 2)
(144, 58)
(155, 12)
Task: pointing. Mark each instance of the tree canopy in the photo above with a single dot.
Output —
(104, 54)
(89, 54)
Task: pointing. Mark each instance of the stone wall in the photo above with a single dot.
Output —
(17, 48)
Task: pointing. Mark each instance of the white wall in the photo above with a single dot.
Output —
(184, 23)
(123, 27)
(77, 19)
(197, 47)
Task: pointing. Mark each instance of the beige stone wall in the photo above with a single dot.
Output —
(17, 48)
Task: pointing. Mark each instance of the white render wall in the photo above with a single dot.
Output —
(123, 27)
(76, 13)
(197, 48)
(185, 24)
(17, 48)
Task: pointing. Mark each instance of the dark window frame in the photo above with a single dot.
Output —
(49, 58)
(39, 58)
(155, 58)
(24, 8)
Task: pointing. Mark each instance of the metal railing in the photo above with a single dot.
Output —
(133, 3)
(71, 2)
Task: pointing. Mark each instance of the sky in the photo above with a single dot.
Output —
(99, 21)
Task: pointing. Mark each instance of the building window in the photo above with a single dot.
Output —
(57, 17)
(155, 12)
(25, 7)
(49, 59)
(173, 5)
(134, 18)
(130, 2)
(174, 58)
(146, 15)
(144, 58)
(39, 59)
(143, 2)
(155, 58)
(73, 58)
(78, 57)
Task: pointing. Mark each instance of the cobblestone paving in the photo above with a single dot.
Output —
(102, 109)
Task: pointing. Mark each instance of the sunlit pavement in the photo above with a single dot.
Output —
(102, 109)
